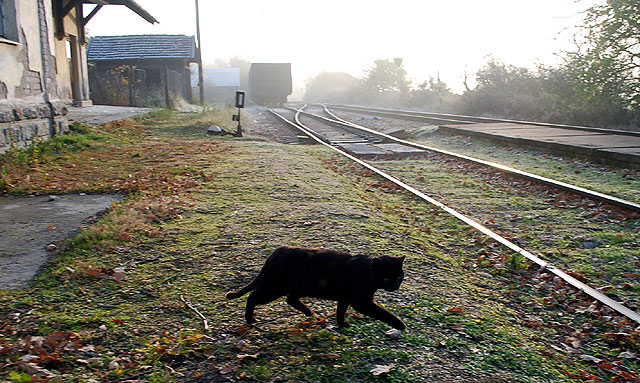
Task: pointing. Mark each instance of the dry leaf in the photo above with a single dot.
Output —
(382, 369)
(242, 357)
(228, 369)
(329, 356)
(455, 310)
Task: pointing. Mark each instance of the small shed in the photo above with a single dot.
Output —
(220, 84)
(140, 70)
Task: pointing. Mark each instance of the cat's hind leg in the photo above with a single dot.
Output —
(297, 304)
(341, 311)
(258, 297)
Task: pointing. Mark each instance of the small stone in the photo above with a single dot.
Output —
(102, 328)
(627, 355)
(393, 333)
(113, 365)
(53, 197)
(215, 130)
(52, 247)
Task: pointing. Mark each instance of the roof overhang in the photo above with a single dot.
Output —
(62, 8)
(131, 4)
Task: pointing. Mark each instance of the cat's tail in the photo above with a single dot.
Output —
(250, 287)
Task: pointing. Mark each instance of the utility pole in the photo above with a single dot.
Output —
(200, 71)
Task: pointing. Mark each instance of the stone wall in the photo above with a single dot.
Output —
(22, 124)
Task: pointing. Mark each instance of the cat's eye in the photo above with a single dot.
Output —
(385, 279)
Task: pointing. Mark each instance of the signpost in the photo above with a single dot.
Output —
(236, 117)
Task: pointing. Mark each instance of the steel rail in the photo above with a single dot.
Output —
(503, 168)
(620, 308)
(455, 118)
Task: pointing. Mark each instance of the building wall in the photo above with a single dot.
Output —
(145, 83)
(34, 83)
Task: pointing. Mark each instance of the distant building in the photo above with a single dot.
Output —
(43, 67)
(140, 70)
(220, 84)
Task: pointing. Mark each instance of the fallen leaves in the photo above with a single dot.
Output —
(41, 353)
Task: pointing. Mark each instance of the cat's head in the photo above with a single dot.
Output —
(386, 272)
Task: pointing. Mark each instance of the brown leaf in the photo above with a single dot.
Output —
(455, 310)
(118, 274)
(573, 342)
(228, 369)
(329, 356)
(242, 357)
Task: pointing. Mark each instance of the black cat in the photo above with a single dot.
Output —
(327, 274)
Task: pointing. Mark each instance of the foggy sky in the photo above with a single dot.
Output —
(445, 37)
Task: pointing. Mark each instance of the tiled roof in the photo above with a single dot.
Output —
(139, 47)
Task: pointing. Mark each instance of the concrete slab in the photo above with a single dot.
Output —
(101, 114)
(363, 149)
(29, 224)
(399, 148)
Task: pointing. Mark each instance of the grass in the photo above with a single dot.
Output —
(621, 183)
(202, 215)
(596, 244)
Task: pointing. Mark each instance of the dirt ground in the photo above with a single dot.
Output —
(139, 296)
(29, 224)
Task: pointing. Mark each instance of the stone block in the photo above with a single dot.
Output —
(44, 111)
(62, 125)
(6, 115)
(29, 112)
(17, 114)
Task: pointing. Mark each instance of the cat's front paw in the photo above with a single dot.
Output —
(399, 325)
(251, 320)
(343, 325)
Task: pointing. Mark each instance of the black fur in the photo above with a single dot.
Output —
(352, 280)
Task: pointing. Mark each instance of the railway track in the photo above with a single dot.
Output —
(339, 123)
(314, 126)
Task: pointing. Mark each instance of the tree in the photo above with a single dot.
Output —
(607, 62)
(335, 87)
(387, 76)
(506, 91)
(433, 94)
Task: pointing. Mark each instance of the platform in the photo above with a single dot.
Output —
(614, 149)
(100, 114)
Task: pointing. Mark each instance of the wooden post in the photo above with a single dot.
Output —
(199, 58)
(166, 86)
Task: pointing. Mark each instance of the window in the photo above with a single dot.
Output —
(8, 20)
(2, 22)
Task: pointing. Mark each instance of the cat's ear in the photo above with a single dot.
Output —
(401, 259)
(375, 262)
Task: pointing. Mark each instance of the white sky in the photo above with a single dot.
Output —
(449, 36)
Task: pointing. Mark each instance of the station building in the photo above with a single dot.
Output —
(43, 65)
